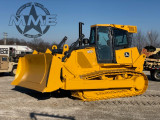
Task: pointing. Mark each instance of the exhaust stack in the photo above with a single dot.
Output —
(80, 33)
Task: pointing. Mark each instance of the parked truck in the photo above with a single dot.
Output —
(9, 55)
(152, 61)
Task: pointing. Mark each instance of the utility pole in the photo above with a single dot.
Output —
(5, 37)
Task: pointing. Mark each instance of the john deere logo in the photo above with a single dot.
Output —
(126, 54)
(33, 20)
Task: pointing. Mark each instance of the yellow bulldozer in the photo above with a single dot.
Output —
(101, 67)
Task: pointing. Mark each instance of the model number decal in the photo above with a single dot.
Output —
(90, 51)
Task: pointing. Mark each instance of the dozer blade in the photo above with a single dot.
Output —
(33, 71)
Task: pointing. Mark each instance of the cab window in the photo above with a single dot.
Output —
(120, 37)
(4, 58)
(92, 36)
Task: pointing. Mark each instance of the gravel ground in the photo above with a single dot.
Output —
(22, 104)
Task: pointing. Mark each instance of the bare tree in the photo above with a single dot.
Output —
(153, 38)
(139, 40)
(39, 45)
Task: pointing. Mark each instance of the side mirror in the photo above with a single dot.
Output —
(85, 41)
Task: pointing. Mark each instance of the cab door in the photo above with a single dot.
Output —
(4, 63)
(104, 46)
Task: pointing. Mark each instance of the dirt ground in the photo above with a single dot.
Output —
(22, 104)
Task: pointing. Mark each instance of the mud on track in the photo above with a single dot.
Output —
(19, 103)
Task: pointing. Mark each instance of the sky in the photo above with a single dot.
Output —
(145, 14)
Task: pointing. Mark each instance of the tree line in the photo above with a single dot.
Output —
(35, 44)
(140, 40)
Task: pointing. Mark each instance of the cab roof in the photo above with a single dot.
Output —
(129, 28)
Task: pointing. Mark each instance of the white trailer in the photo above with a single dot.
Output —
(18, 49)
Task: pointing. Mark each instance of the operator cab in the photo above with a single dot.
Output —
(108, 37)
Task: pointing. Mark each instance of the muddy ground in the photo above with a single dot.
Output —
(22, 104)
